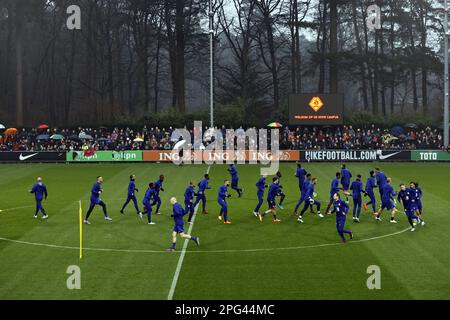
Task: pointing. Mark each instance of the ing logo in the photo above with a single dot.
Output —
(316, 104)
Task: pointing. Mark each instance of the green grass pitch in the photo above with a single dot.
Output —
(245, 260)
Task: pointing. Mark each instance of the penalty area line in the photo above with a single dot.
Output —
(183, 253)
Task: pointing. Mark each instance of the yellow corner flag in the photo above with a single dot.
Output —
(81, 231)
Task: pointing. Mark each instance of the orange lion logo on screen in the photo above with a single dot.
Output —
(316, 104)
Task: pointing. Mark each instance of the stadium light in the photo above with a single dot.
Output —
(446, 97)
(211, 63)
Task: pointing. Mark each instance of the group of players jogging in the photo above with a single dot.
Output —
(410, 197)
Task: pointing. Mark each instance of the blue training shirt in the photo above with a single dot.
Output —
(203, 185)
(189, 194)
(178, 213)
(370, 185)
(357, 188)
(39, 191)
(345, 176)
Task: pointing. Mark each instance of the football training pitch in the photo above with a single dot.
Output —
(249, 259)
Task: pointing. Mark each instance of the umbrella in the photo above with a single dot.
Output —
(275, 125)
(411, 125)
(85, 136)
(57, 137)
(43, 137)
(43, 126)
(2, 127)
(73, 137)
(138, 140)
(104, 140)
(397, 130)
(11, 131)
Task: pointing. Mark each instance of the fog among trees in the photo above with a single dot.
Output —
(134, 58)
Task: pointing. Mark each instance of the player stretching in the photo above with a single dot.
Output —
(158, 186)
(357, 189)
(202, 187)
(334, 189)
(405, 196)
(309, 200)
(341, 208)
(305, 186)
(40, 193)
(274, 191)
(177, 215)
(189, 194)
(301, 175)
(345, 178)
(222, 200)
(131, 196)
(235, 179)
(387, 201)
(261, 186)
(149, 201)
(95, 200)
(370, 185)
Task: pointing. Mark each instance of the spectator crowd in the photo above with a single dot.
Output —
(296, 138)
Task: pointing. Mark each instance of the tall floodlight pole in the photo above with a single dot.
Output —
(211, 62)
(446, 128)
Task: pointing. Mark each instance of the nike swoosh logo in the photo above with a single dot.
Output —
(22, 157)
(388, 156)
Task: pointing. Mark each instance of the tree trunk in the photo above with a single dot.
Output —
(19, 72)
(180, 72)
(323, 48)
(362, 66)
(333, 47)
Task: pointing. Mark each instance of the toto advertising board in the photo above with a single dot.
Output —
(105, 156)
(354, 155)
(29, 156)
(430, 155)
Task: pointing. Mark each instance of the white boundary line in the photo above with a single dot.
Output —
(183, 253)
(204, 251)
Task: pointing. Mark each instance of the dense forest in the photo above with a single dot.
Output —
(134, 58)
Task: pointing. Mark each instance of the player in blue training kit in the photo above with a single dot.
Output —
(405, 197)
(301, 176)
(235, 179)
(202, 187)
(309, 200)
(304, 188)
(189, 194)
(95, 200)
(370, 185)
(274, 191)
(357, 189)
(387, 201)
(261, 185)
(158, 185)
(281, 194)
(333, 189)
(345, 178)
(149, 201)
(381, 180)
(131, 196)
(341, 208)
(177, 215)
(40, 193)
(222, 200)
(417, 203)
